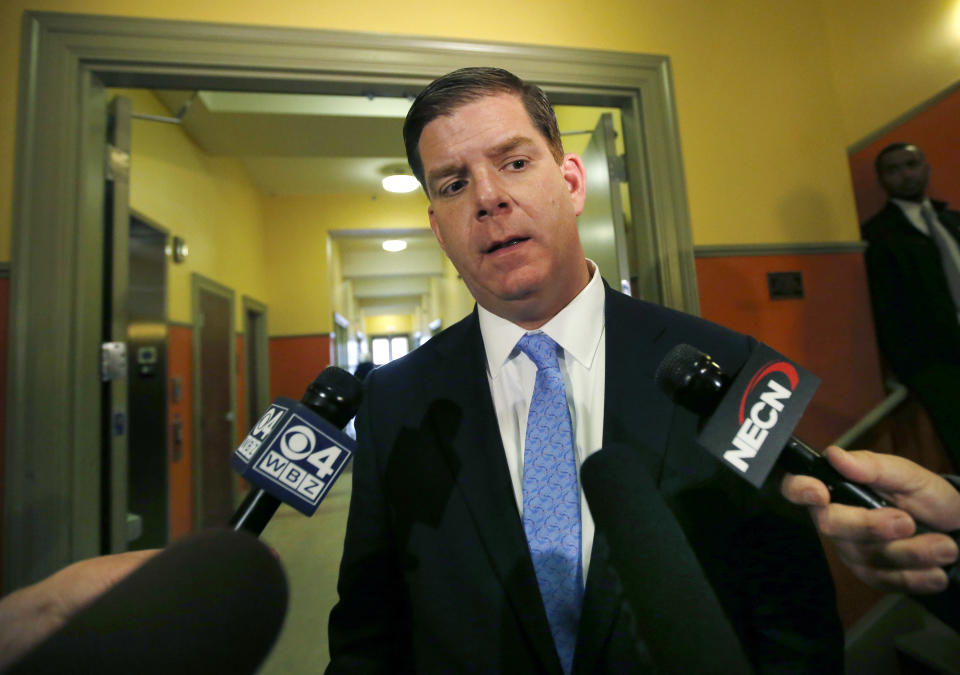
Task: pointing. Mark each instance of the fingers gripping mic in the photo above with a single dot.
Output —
(296, 451)
(676, 610)
(211, 603)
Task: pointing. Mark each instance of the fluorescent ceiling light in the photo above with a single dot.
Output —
(394, 245)
(400, 183)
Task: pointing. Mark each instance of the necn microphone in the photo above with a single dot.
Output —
(296, 451)
(749, 419)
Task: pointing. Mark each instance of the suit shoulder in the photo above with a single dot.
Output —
(668, 327)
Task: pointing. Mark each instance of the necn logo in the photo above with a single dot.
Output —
(765, 398)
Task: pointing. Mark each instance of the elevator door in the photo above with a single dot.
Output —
(147, 463)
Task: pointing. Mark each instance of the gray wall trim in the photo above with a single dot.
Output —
(4, 270)
(67, 59)
(294, 336)
(901, 119)
(731, 250)
(182, 324)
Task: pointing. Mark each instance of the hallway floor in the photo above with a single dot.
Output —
(310, 550)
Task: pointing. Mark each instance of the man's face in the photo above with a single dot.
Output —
(904, 174)
(503, 210)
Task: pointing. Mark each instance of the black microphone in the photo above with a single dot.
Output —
(695, 381)
(296, 451)
(676, 610)
(211, 603)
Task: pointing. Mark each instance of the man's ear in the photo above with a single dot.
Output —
(435, 228)
(575, 176)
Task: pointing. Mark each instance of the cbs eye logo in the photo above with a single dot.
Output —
(297, 442)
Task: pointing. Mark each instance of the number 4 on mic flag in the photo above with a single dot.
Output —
(293, 454)
(757, 414)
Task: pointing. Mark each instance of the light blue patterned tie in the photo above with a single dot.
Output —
(551, 500)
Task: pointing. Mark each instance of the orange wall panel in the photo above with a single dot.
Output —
(934, 131)
(180, 346)
(296, 361)
(829, 331)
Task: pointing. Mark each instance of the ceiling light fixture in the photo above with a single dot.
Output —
(394, 245)
(400, 183)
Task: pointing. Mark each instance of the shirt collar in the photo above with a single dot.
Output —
(577, 328)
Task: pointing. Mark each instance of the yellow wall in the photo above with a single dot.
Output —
(889, 56)
(296, 249)
(208, 201)
(763, 120)
(387, 324)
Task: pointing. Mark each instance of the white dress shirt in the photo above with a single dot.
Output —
(579, 329)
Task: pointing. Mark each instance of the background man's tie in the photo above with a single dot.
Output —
(551, 499)
(951, 266)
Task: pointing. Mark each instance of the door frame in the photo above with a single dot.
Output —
(52, 481)
(260, 343)
(198, 284)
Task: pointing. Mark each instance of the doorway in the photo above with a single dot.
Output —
(214, 387)
(58, 198)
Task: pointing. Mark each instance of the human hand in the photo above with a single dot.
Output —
(880, 545)
(29, 615)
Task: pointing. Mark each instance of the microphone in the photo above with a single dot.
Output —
(211, 603)
(296, 451)
(675, 607)
(775, 391)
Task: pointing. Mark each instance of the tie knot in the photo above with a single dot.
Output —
(541, 349)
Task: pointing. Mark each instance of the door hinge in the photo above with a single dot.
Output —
(618, 168)
(117, 163)
(113, 361)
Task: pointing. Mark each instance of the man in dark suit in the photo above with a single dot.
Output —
(443, 563)
(913, 268)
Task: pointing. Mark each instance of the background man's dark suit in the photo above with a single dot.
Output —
(436, 575)
(915, 315)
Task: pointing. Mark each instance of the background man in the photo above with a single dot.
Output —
(469, 546)
(913, 267)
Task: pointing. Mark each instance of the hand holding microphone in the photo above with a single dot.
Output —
(882, 547)
(747, 424)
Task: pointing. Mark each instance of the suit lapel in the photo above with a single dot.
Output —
(479, 466)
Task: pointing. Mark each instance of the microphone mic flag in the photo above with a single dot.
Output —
(751, 416)
(296, 450)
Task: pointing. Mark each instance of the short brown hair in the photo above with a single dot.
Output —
(449, 92)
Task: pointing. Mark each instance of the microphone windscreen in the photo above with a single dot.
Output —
(677, 613)
(211, 603)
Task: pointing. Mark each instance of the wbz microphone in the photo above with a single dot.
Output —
(296, 451)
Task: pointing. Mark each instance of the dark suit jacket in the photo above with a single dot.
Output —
(915, 315)
(436, 576)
